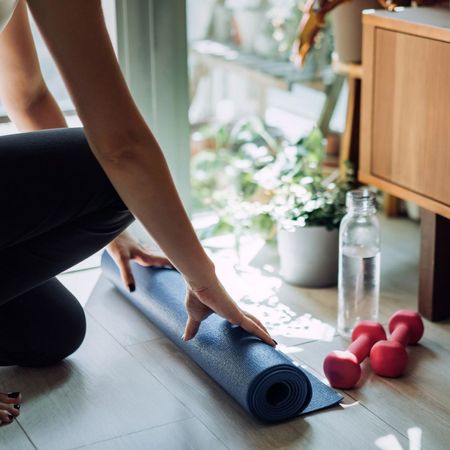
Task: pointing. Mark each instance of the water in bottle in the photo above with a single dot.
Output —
(359, 262)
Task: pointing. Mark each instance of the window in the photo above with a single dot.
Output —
(249, 103)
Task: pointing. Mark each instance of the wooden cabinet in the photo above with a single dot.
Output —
(405, 131)
(405, 134)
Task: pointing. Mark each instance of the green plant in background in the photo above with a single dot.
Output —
(233, 152)
(255, 179)
(223, 176)
(305, 193)
(311, 199)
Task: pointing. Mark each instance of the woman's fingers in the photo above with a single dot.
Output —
(147, 259)
(124, 249)
(237, 316)
(217, 299)
(258, 322)
(191, 329)
(245, 322)
(198, 311)
(126, 274)
(252, 327)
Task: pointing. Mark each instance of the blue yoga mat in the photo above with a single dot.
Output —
(262, 379)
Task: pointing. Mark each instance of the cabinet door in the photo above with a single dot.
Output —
(410, 115)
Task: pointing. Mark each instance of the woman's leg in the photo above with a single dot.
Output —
(59, 208)
(52, 326)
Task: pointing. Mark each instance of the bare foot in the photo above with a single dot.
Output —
(9, 407)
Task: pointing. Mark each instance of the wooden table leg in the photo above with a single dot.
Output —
(391, 205)
(434, 276)
(350, 137)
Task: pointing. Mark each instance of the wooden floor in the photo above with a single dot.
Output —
(128, 387)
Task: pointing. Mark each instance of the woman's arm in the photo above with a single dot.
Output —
(23, 92)
(76, 35)
(31, 106)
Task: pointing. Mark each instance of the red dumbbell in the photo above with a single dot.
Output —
(343, 369)
(389, 358)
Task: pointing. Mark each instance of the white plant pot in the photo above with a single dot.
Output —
(309, 256)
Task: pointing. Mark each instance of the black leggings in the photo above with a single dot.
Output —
(57, 208)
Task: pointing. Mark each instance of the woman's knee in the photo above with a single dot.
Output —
(70, 336)
(54, 326)
(58, 341)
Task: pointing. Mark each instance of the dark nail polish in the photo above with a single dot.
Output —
(13, 394)
(275, 342)
(131, 287)
(17, 406)
(11, 417)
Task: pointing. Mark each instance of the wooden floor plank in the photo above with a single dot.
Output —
(400, 254)
(439, 332)
(188, 434)
(100, 392)
(110, 308)
(228, 421)
(12, 437)
(418, 399)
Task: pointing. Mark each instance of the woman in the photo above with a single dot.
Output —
(66, 193)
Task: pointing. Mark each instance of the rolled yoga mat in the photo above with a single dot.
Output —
(262, 379)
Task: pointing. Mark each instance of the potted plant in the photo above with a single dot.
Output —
(223, 177)
(278, 188)
(308, 205)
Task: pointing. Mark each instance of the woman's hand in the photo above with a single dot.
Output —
(200, 302)
(214, 299)
(124, 249)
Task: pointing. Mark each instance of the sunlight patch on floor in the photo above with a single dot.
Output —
(390, 442)
(349, 405)
(256, 287)
(289, 349)
(283, 321)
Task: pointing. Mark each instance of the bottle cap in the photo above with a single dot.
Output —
(362, 200)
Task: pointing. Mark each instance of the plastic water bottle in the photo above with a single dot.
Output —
(359, 261)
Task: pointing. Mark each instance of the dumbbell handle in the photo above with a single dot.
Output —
(360, 347)
(400, 334)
